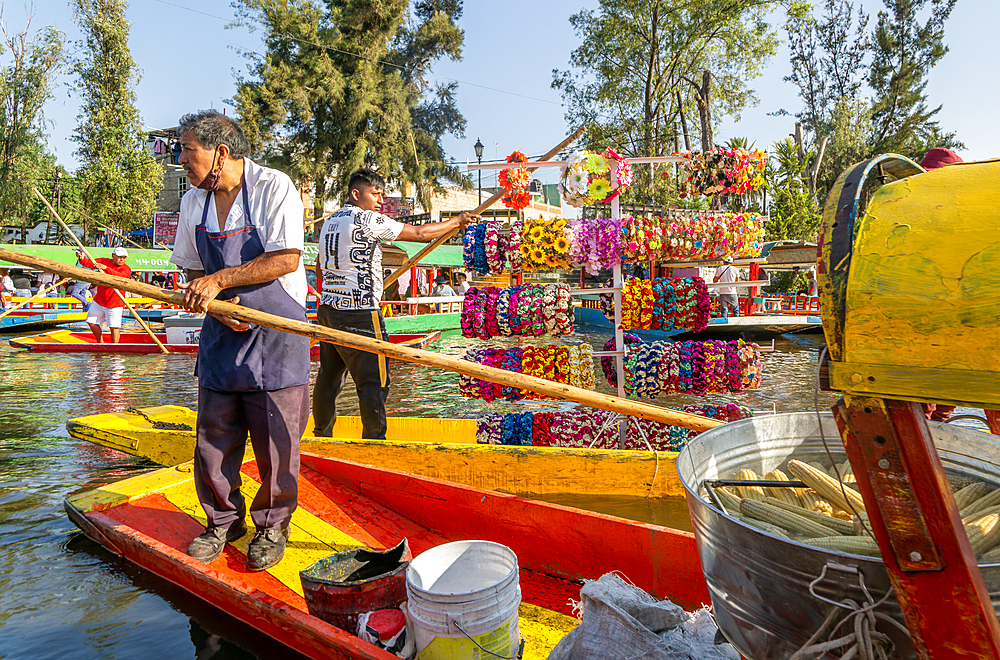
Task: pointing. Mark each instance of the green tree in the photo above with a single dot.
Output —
(119, 178)
(25, 85)
(793, 212)
(343, 84)
(643, 63)
(904, 52)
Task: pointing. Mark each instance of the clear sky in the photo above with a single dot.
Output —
(188, 59)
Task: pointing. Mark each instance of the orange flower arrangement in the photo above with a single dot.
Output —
(514, 181)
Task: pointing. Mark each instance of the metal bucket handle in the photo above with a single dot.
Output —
(853, 570)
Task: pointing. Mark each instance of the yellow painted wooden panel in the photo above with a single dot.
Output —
(924, 285)
(542, 629)
(310, 538)
(129, 489)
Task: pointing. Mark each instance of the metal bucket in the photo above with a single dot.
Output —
(759, 583)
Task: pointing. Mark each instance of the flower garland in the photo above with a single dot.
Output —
(526, 309)
(661, 304)
(586, 179)
(686, 237)
(591, 427)
(724, 171)
(514, 245)
(560, 364)
(545, 245)
(596, 243)
(515, 181)
(689, 367)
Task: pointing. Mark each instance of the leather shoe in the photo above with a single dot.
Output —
(210, 543)
(266, 548)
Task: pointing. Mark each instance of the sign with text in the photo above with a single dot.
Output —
(165, 228)
(397, 207)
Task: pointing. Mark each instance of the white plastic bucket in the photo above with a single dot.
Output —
(462, 594)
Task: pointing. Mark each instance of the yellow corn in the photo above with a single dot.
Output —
(783, 494)
(846, 469)
(827, 487)
(729, 501)
(985, 502)
(990, 556)
(753, 492)
(972, 517)
(833, 524)
(855, 545)
(763, 526)
(970, 494)
(813, 502)
(787, 520)
(984, 533)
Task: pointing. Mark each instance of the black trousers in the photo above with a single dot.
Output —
(370, 372)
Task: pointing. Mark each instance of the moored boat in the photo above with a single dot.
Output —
(434, 447)
(150, 519)
(68, 341)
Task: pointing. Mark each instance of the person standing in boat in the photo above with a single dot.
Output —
(462, 283)
(349, 264)
(240, 239)
(728, 298)
(108, 302)
(6, 287)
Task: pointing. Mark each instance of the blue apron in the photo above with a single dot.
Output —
(259, 358)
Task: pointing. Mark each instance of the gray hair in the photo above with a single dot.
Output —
(213, 128)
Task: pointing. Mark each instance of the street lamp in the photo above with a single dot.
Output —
(479, 156)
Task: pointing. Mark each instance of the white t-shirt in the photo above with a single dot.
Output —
(7, 285)
(728, 273)
(464, 287)
(350, 256)
(275, 211)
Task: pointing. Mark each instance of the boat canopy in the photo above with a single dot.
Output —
(446, 255)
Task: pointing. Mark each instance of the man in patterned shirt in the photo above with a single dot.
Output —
(349, 265)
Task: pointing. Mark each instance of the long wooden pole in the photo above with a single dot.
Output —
(479, 209)
(417, 356)
(41, 292)
(163, 349)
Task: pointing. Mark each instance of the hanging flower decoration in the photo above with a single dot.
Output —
(545, 245)
(723, 172)
(515, 181)
(571, 365)
(589, 177)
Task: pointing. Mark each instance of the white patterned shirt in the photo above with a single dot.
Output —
(350, 256)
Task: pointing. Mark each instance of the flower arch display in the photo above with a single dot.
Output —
(587, 177)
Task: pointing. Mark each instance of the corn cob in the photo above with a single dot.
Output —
(958, 482)
(846, 469)
(833, 524)
(862, 525)
(787, 520)
(984, 502)
(730, 502)
(763, 526)
(972, 517)
(783, 494)
(753, 492)
(855, 545)
(984, 533)
(813, 502)
(970, 494)
(828, 487)
(990, 556)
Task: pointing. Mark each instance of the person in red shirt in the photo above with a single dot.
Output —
(108, 302)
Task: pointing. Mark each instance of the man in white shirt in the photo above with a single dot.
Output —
(349, 264)
(728, 298)
(240, 238)
(463, 284)
(6, 287)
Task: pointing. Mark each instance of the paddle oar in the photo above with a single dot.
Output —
(131, 309)
(389, 350)
(41, 292)
(479, 209)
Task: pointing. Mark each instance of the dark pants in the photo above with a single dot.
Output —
(275, 421)
(370, 372)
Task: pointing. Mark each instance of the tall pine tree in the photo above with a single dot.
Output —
(120, 179)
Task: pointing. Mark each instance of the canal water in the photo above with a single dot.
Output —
(63, 596)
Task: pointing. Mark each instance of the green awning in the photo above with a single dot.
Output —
(138, 259)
